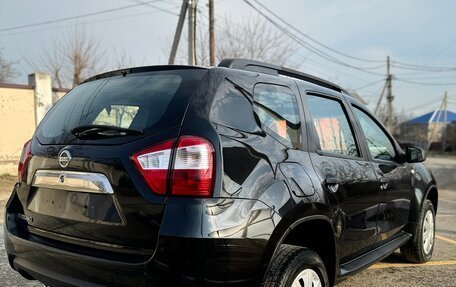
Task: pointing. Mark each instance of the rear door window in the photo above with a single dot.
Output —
(332, 127)
(148, 101)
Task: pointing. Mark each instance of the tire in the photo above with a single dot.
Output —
(419, 249)
(292, 263)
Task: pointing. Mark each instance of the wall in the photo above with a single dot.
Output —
(17, 123)
(57, 94)
(21, 109)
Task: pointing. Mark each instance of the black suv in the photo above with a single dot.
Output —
(240, 175)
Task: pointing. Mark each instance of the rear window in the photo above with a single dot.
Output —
(150, 101)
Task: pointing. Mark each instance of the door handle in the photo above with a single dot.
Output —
(333, 183)
(384, 183)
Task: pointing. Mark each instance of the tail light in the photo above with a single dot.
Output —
(24, 160)
(192, 170)
(193, 167)
(153, 164)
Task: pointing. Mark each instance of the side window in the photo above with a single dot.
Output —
(278, 112)
(380, 146)
(332, 126)
(233, 108)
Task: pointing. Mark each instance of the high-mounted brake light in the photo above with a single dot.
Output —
(191, 173)
(24, 160)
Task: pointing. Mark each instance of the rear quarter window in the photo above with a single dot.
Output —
(277, 108)
(232, 107)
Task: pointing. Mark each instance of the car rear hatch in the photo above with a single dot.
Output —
(82, 190)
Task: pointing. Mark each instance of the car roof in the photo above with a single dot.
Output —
(143, 69)
(234, 64)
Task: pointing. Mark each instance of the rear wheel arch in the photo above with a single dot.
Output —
(316, 233)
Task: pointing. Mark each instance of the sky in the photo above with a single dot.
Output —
(414, 32)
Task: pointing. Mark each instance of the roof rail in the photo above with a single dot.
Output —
(261, 67)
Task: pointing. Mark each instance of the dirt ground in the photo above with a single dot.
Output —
(391, 272)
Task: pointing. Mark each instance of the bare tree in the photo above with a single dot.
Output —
(73, 58)
(53, 61)
(254, 38)
(399, 117)
(123, 60)
(251, 38)
(7, 70)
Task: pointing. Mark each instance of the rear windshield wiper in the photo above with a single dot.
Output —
(102, 131)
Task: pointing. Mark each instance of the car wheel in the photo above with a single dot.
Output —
(295, 266)
(419, 249)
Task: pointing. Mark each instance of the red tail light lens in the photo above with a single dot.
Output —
(153, 164)
(24, 160)
(192, 171)
(193, 167)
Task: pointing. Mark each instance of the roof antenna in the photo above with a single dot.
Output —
(124, 73)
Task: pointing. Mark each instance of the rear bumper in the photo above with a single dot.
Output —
(56, 267)
(183, 257)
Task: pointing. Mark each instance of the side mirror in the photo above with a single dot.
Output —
(415, 154)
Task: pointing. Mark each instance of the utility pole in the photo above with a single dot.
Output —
(211, 34)
(437, 115)
(380, 99)
(177, 35)
(192, 32)
(389, 98)
(444, 129)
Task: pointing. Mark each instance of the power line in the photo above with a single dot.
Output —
(398, 64)
(319, 64)
(423, 83)
(425, 70)
(339, 72)
(428, 104)
(310, 47)
(442, 51)
(316, 41)
(155, 7)
(223, 28)
(89, 22)
(424, 77)
(76, 17)
(422, 68)
(369, 85)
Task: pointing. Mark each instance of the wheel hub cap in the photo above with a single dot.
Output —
(428, 232)
(307, 278)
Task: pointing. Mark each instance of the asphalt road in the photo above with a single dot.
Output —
(391, 272)
(8, 277)
(441, 270)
